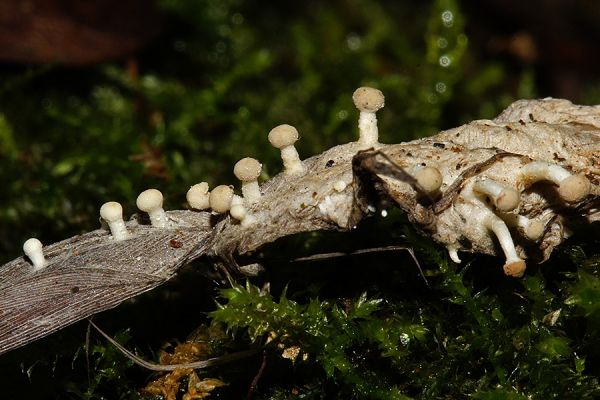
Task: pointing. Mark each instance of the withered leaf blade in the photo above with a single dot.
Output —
(91, 273)
(74, 33)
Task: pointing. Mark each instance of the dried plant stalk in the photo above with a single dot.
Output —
(515, 186)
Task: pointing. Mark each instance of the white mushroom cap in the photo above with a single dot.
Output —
(197, 196)
(247, 169)
(33, 249)
(505, 198)
(515, 268)
(533, 229)
(151, 201)
(220, 198)
(31, 246)
(368, 99)
(238, 211)
(112, 213)
(429, 179)
(574, 188)
(283, 136)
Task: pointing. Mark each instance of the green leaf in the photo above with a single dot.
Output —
(586, 293)
(555, 347)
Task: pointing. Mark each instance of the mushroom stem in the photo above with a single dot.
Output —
(291, 160)
(112, 213)
(33, 249)
(197, 196)
(453, 253)
(367, 129)
(571, 188)
(251, 191)
(514, 265)
(151, 202)
(505, 198)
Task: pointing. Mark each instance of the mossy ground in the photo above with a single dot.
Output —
(209, 89)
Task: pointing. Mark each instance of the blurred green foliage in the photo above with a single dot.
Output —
(206, 93)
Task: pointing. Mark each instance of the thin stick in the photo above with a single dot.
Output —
(254, 383)
(211, 362)
(325, 256)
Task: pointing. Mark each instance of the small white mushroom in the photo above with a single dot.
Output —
(505, 198)
(428, 178)
(283, 137)
(532, 229)
(571, 188)
(220, 198)
(34, 250)
(151, 201)
(514, 265)
(238, 211)
(247, 170)
(112, 213)
(197, 196)
(368, 101)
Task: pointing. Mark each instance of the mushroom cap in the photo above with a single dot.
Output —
(111, 211)
(32, 245)
(429, 178)
(516, 269)
(368, 99)
(534, 230)
(283, 135)
(238, 211)
(508, 199)
(197, 196)
(247, 169)
(149, 200)
(220, 198)
(574, 188)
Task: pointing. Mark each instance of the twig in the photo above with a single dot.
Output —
(211, 362)
(254, 383)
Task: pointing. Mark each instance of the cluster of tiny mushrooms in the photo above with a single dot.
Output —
(490, 202)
